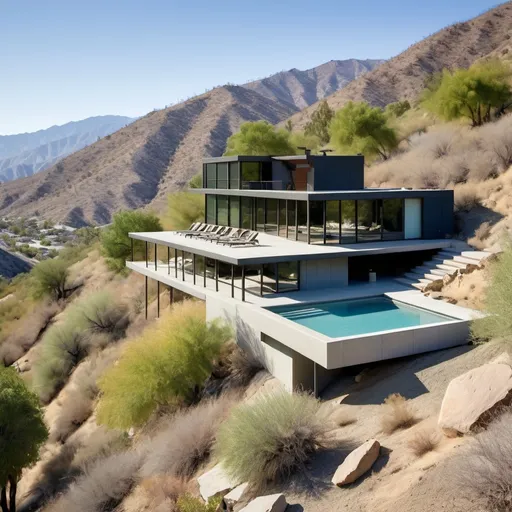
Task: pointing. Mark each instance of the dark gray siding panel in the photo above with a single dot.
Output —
(338, 172)
(438, 217)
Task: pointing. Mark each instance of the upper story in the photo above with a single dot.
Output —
(319, 199)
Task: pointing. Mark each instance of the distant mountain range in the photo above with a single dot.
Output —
(25, 154)
(303, 88)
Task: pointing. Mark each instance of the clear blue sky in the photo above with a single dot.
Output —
(64, 60)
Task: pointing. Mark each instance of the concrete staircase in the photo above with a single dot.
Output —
(447, 261)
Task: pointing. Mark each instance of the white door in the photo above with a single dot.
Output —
(412, 227)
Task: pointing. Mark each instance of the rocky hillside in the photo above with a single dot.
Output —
(302, 88)
(403, 76)
(140, 163)
(12, 265)
(25, 154)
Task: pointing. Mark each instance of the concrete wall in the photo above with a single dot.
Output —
(338, 172)
(438, 219)
(280, 173)
(329, 273)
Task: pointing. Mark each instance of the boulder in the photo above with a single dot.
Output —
(234, 496)
(270, 503)
(448, 278)
(357, 463)
(472, 395)
(434, 286)
(504, 358)
(215, 483)
(470, 268)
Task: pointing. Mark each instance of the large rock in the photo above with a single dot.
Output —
(357, 463)
(234, 496)
(471, 395)
(270, 503)
(434, 286)
(215, 483)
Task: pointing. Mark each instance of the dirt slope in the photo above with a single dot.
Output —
(130, 168)
(403, 76)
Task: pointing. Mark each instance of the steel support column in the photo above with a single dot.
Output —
(146, 297)
(158, 299)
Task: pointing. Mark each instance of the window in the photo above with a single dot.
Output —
(332, 222)
(282, 218)
(316, 222)
(348, 222)
(222, 175)
(292, 208)
(260, 214)
(392, 219)
(234, 177)
(269, 278)
(247, 213)
(369, 220)
(234, 212)
(288, 272)
(302, 221)
(211, 176)
(271, 222)
(222, 210)
(211, 209)
(251, 175)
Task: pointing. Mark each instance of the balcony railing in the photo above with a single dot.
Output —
(257, 185)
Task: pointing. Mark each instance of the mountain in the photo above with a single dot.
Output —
(11, 265)
(25, 154)
(141, 163)
(403, 77)
(302, 88)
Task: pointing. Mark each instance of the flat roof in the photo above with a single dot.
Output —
(326, 195)
(273, 249)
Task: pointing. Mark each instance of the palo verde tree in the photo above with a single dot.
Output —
(397, 109)
(22, 432)
(184, 208)
(360, 128)
(115, 240)
(259, 138)
(479, 93)
(50, 277)
(320, 121)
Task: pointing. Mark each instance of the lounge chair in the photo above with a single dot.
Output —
(207, 229)
(236, 234)
(195, 228)
(250, 240)
(217, 231)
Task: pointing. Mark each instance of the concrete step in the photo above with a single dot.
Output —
(439, 272)
(478, 255)
(424, 268)
(407, 282)
(450, 269)
(432, 277)
(449, 263)
(467, 261)
(422, 277)
(447, 254)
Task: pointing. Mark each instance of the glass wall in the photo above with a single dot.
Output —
(271, 220)
(302, 221)
(393, 219)
(269, 278)
(282, 218)
(250, 175)
(234, 212)
(234, 175)
(222, 175)
(260, 214)
(211, 176)
(316, 222)
(332, 222)
(247, 213)
(348, 222)
(288, 273)
(223, 210)
(211, 209)
(369, 220)
(292, 209)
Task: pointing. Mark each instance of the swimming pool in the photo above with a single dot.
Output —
(359, 316)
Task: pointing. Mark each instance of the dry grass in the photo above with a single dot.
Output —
(164, 491)
(467, 197)
(485, 470)
(243, 366)
(397, 414)
(424, 441)
(186, 440)
(481, 235)
(75, 409)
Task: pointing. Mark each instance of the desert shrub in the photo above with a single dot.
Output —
(186, 440)
(466, 198)
(164, 367)
(243, 366)
(270, 438)
(115, 240)
(62, 348)
(424, 441)
(484, 470)
(497, 301)
(100, 312)
(103, 485)
(183, 209)
(482, 233)
(104, 443)
(50, 277)
(189, 503)
(164, 491)
(398, 414)
(497, 137)
(74, 411)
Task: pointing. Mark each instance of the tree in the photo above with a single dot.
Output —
(259, 138)
(478, 93)
(51, 278)
(22, 432)
(398, 109)
(115, 240)
(320, 121)
(360, 128)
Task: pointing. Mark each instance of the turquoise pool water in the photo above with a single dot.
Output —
(360, 316)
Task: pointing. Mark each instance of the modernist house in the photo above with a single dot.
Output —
(323, 238)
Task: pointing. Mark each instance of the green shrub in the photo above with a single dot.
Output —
(22, 432)
(115, 240)
(50, 277)
(267, 440)
(163, 367)
(183, 209)
(189, 503)
(498, 300)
